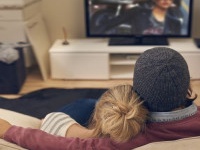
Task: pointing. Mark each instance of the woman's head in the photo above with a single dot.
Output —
(119, 114)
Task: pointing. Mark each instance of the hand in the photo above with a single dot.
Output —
(4, 126)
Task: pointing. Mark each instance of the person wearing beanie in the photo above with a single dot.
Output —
(162, 82)
(162, 79)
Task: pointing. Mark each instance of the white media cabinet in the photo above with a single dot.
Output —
(94, 59)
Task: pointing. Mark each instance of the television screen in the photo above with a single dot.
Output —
(127, 20)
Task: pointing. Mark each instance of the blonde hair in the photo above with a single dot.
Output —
(119, 114)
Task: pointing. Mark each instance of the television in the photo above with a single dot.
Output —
(138, 22)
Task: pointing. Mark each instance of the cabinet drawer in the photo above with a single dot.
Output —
(79, 65)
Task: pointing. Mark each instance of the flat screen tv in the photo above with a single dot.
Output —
(138, 22)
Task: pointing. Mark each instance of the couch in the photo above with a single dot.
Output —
(19, 119)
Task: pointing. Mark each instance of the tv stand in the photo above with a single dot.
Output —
(131, 41)
(93, 59)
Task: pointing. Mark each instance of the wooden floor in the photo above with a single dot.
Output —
(34, 82)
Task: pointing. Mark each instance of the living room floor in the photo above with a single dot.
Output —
(34, 82)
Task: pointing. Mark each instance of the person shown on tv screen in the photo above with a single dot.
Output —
(155, 18)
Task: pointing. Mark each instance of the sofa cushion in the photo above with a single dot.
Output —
(17, 119)
(9, 146)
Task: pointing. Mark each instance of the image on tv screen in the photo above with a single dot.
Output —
(138, 17)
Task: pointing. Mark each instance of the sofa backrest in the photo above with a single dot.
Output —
(19, 119)
(192, 143)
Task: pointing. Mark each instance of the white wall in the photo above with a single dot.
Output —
(64, 13)
(70, 14)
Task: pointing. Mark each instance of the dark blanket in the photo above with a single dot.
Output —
(41, 102)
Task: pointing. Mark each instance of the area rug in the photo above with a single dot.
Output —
(41, 102)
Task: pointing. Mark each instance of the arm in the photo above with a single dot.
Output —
(4, 126)
(37, 139)
(61, 124)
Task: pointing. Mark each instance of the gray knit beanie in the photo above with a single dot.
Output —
(161, 79)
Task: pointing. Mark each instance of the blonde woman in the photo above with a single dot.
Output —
(119, 115)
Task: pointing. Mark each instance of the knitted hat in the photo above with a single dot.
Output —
(161, 78)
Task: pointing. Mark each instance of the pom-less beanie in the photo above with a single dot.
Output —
(161, 79)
